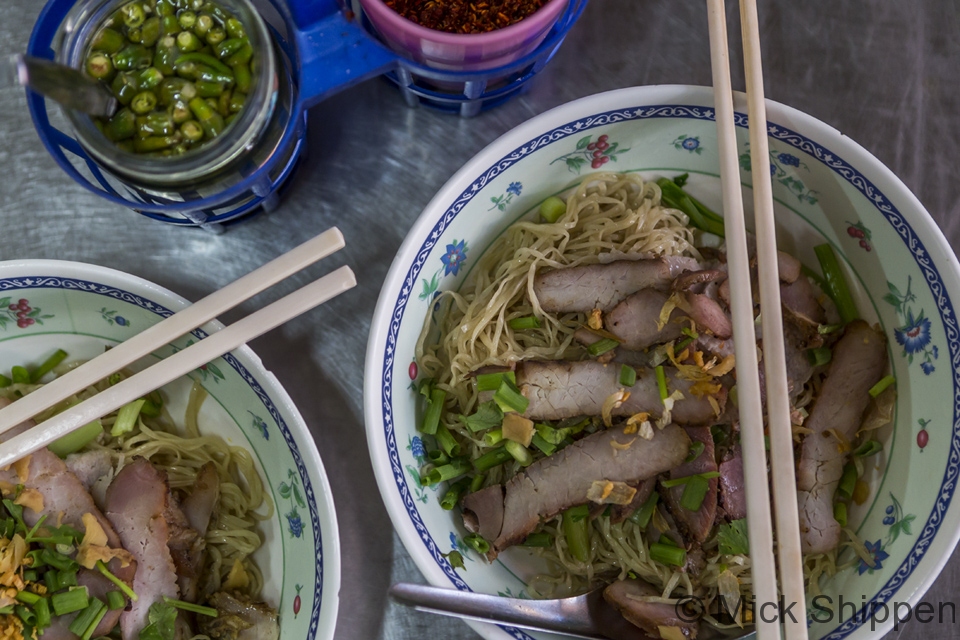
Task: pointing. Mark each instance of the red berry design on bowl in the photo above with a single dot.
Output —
(854, 232)
(604, 159)
(603, 146)
(296, 601)
(13, 307)
(412, 370)
(591, 146)
(603, 139)
(597, 153)
(596, 164)
(922, 439)
(20, 312)
(865, 245)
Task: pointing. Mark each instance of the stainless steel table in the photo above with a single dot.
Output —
(886, 73)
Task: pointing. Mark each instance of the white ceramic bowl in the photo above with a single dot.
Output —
(81, 308)
(827, 189)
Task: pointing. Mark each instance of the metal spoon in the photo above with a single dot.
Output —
(63, 84)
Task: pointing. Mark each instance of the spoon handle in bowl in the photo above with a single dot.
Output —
(570, 616)
(63, 84)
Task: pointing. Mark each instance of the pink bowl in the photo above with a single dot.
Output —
(457, 51)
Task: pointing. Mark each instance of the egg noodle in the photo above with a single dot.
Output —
(608, 217)
(232, 536)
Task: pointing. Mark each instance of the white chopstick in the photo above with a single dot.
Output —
(775, 362)
(759, 525)
(171, 328)
(778, 406)
(178, 364)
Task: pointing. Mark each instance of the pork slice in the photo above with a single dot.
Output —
(859, 361)
(562, 480)
(696, 281)
(199, 506)
(707, 314)
(733, 495)
(90, 466)
(697, 523)
(602, 286)
(97, 586)
(799, 300)
(560, 389)
(628, 597)
(483, 511)
(788, 267)
(619, 513)
(634, 320)
(136, 503)
(187, 549)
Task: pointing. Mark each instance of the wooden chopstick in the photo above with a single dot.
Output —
(178, 364)
(171, 328)
(778, 406)
(759, 525)
(775, 362)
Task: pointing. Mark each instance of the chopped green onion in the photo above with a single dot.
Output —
(694, 492)
(526, 322)
(477, 483)
(552, 208)
(868, 448)
(641, 517)
(35, 557)
(36, 527)
(579, 512)
(687, 331)
(840, 513)
(683, 344)
(447, 442)
(58, 560)
(67, 578)
(453, 493)
(454, 469)
(493, 437)
(719, 433)
(576, 532)
(676, 482)
(881, 386)
(127, 418)
(491, 459)
(628, 375)
(5, 381)
(153, 406)
(115, 378)
(848, 481)
(31, 576)
(88, 615)
(509, 398)
(58, 356)
(127, 591)
(668, 554)
(819, 356)
(601, 346)
(674, 197)
(20, 375)
(27, 597)
(76, 440)
(696, 448)
(661, 381)
(826, 329)
(115, 600)
(42, 609)
(193, 608)
(437, 457)
(519, 452)
(431, 417)
(7, 610)
(540, 539)
(836, 284)
(477, 543)
(491, 381)
(70, 601)
(548, 448)
(27, 615)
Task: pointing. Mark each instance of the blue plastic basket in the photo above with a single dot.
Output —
(323, 50)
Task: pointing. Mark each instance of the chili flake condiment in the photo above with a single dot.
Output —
(461, 16)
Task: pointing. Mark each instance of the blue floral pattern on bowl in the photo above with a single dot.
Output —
(451, 261)
(502, 201)
(779, 160)
(914, 334)
(688, 143)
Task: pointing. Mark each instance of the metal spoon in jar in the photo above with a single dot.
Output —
(66, 85)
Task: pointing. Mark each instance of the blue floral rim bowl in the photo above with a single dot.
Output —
(47, 305)
(827, 188)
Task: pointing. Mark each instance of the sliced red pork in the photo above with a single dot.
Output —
(635, 320)
(560, 389)
(697, 523)
(629, 597)
(859, 362)
(602, 286)
(553, 484)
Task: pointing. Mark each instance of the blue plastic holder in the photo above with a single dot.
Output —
(323, 50)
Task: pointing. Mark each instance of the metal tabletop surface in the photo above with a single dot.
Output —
(884, 73)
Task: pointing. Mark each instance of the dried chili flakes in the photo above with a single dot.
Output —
(462, 16)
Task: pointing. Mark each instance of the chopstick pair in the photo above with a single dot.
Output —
(182, 362)
(759, 528)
